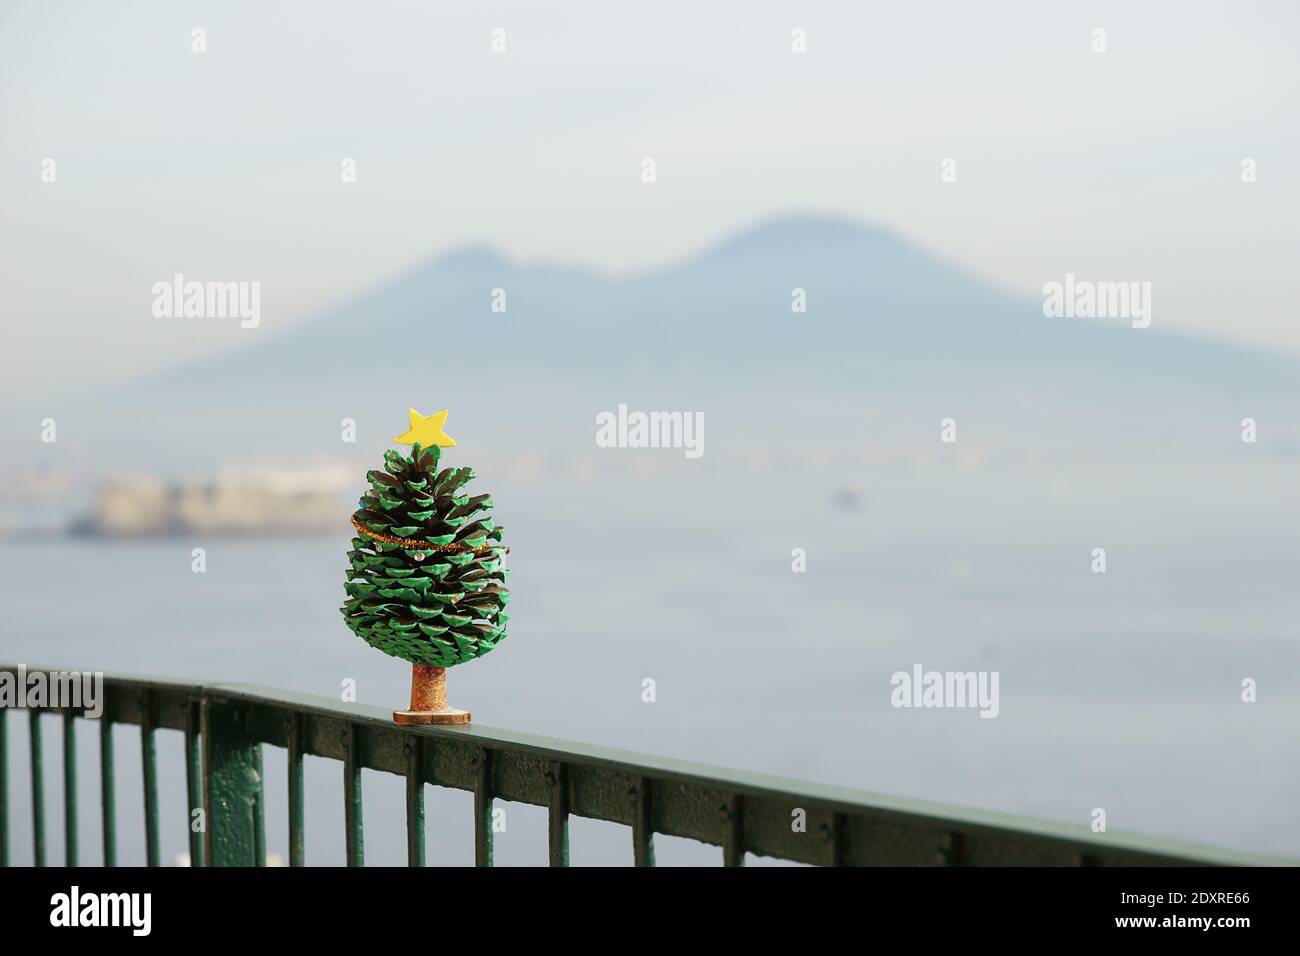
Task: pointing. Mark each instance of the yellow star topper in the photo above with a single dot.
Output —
(427, 430)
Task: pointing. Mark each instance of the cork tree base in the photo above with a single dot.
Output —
(448, 715)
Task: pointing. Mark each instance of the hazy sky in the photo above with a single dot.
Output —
(226, 164)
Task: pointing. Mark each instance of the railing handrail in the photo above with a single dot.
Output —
(835, 802)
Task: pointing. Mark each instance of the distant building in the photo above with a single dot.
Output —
(237, 502)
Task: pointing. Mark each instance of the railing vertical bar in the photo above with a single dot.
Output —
(107, 797)
(194, 782)
(38, 791)
(733, 847)
(69, 789)
(149, 761)
(414, 747)
(643, 834)
(4, 787)
(259, 808)
(352, 810)
(483, 810)
(297, 842)
(558, 776)
(956, 852)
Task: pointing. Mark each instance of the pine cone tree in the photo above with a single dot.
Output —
(427, 582)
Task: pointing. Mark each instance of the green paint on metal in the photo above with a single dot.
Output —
(107, 799)
(194, 783)
(353, 814)
(557, 780)
(232, 787)
(414, 748)
(297, 840)
(38, 791)
(69, 789)
(149, 763)
(643, 834)
(483, 796)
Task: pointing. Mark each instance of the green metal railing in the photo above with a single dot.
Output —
(225, 727)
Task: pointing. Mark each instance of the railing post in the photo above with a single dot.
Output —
(69, 789)
(194, 781)
(297, 841)
(733, 820)
(414, 749)
(4, 787)
(353, 811)
(107, 797)
(259, 809)
(643, 834)
(38, 789)
(557, 777)
(232, 786)
(483, 809)
(149, 763)
(839, 840)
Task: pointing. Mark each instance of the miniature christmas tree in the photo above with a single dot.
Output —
(427, 582)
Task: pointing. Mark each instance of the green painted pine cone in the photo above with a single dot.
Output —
(439, 605)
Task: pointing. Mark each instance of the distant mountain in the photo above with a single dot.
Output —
(885, 322)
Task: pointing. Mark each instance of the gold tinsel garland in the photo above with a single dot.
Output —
(415, 544)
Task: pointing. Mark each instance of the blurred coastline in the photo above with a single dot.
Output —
(250, 501)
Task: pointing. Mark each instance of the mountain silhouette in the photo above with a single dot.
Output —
(885, 322)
